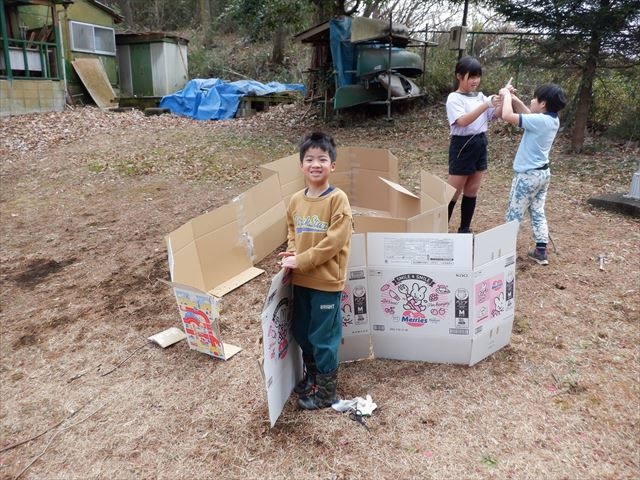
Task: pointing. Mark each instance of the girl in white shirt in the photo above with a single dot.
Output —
(469, 113)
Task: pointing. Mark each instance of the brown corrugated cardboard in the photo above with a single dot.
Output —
(369, 178)
(216, 252)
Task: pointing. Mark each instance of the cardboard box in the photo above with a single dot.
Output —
(433, 297)
(369, 178)
(447, 298)
(215, 253)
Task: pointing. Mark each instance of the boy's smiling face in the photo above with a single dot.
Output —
(316, 166)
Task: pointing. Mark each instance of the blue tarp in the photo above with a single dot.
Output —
(342, 50)
(214, 99)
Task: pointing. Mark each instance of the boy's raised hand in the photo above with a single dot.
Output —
(511, 88)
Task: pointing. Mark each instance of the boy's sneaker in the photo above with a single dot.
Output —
(539, 255)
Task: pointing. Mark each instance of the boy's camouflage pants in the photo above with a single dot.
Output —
(528, 193)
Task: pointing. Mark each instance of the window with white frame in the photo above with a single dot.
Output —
(92, 38)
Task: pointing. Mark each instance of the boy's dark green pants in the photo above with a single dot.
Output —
(317, 325)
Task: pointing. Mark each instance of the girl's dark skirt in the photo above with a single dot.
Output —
(468, 154)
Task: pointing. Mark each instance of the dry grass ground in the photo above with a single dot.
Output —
(86, 198)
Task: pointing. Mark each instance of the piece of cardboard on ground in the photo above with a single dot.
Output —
(199, 313)
(95, 79)
(168, 337)
(446, 298)
(281, 363)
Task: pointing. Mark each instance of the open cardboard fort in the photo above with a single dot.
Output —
(413, 291)
(214, 253)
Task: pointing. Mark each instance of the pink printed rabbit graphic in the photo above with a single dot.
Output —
(414, 298)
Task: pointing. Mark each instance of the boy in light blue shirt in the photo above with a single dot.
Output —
(531, 165)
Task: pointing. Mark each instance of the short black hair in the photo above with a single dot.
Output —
(466, 65)
(321, 140)
(553, 96)
(469, 65)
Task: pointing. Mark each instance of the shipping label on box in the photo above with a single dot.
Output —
(282, 359)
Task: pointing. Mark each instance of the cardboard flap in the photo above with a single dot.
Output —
(368, 224)
(435, 220)
(495, 243)
(236, 281)
(263, 215)
(229, 350)
(289, 175)
(402, 203)
(282, 359)
(437, 189)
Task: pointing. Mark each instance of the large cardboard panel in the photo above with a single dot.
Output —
(491, 340)
(356, 335)
(282, 359)
(263, 215)
(427, 301)
(210, 253)
(495, 243)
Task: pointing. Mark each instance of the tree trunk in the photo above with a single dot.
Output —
(204, 14)
(277, 53)
(127, 12)
(585, 94)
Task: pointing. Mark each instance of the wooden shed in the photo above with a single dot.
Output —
(151, 64)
